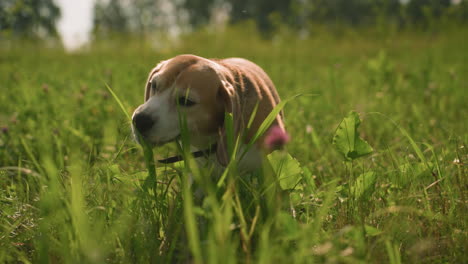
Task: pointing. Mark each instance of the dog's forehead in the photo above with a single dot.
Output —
(199, 80)
(159, 74)
(195, 74)
(165, 72)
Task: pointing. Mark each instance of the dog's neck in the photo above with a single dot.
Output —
(201, 142)
(196, 154)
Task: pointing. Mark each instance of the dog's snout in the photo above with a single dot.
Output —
(143, 122)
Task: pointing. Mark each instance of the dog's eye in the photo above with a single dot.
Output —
(184, 101)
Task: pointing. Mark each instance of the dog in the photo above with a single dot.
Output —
(203, 90)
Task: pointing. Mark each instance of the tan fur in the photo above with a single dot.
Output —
(234, 85)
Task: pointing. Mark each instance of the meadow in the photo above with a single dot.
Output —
(74, 186)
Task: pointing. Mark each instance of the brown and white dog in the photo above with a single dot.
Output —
(203, 90)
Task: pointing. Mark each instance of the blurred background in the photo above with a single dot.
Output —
(72, 179)
(75, 24)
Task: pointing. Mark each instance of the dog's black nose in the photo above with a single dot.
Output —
(142, 122)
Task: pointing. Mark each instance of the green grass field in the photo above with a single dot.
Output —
(74, 184)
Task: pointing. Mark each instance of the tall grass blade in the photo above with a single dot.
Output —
(270, 118)
(119, 102)
(147, 149)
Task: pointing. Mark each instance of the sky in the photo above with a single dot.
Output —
(76, 21)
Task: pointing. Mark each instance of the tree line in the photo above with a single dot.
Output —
(39, 17)
(28, 18)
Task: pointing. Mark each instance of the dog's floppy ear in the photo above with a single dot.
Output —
(230, 100)
(227, 95)
(242, 101)
(150, 77)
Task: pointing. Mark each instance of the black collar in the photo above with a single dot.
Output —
(196, 154)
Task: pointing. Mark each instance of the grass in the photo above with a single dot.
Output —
(74, 185)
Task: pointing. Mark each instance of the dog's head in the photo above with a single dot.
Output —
(188, 86)
(201, 91)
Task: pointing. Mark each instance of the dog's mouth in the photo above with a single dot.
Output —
(152, 143)
(164, 142)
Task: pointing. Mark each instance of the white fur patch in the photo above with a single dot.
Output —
(166, 121)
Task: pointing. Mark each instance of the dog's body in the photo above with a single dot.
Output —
(203, 90)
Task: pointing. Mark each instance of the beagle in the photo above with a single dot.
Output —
(203, 90)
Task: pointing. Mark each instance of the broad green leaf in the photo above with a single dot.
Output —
(372, 231)
(309, 180)
(347, 140)
(287, 169)
(363, 184)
